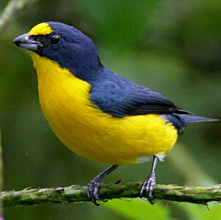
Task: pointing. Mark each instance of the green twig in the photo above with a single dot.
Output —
(75, 193)
(10, 11)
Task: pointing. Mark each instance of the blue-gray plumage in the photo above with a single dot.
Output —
(112, 93)
(120, 97)
(73, 84)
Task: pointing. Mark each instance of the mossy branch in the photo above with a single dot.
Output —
(76, 193)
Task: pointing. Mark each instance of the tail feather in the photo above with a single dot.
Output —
(194, 119)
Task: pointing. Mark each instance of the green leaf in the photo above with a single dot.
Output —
(202, 212)
(137, 209)
(213, 212)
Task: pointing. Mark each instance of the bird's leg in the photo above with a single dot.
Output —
(93, 186)
(149, 183)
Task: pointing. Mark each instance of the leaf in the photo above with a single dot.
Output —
(200, 212)
(137, 209)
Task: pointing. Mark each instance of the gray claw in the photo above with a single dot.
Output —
(92, 190)
(148, 188)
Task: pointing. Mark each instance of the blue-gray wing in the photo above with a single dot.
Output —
(122, 98)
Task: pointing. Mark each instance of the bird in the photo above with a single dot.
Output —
(97, 113)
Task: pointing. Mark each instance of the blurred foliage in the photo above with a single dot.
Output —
(212, 212)
(173, 47)
(137, 209)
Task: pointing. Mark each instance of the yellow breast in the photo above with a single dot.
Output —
(89, 132)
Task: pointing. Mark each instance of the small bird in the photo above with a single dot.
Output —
(97, 113)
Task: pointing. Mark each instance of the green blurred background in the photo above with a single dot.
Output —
(173, 47)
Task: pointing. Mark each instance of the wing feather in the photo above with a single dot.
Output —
(122, 98)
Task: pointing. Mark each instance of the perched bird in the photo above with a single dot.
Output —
(95, 112)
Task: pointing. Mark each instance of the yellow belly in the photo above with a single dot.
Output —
(89, 132)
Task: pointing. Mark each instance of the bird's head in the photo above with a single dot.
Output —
(64, 44)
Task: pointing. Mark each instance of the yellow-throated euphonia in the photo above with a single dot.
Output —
(95, 112)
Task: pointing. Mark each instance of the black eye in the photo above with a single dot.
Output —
(55, 38)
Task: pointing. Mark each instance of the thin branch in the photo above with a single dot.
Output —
(11, 11)
(75, 193)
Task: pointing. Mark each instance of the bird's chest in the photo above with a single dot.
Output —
(65, 102)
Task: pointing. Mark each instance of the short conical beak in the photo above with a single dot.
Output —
(25, 41)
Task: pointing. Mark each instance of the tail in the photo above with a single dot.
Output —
(179, 121)
(186, 119)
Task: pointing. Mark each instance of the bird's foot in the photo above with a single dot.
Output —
(92, 190)
(148, 188)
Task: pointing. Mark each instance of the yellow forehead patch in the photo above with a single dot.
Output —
(41, 29)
